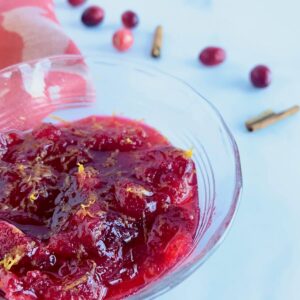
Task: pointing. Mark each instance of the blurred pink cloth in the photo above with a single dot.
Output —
(29, 30)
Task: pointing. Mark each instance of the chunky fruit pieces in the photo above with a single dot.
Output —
(94, 209)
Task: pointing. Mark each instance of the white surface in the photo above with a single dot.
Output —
(260, 258)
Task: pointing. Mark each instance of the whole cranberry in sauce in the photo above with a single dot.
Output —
(92, 16)
(212, 56)
(130, 19)
(260, 76)
(76, 2)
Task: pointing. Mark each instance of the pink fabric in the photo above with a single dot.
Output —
(29, 30)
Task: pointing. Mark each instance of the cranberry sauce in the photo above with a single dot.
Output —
(94, 209)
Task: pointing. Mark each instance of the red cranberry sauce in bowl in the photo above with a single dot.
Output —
(92, 209)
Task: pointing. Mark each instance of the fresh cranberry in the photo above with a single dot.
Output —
(130, 19)
(76, 2)
(260, 76)
(123, 39)
(212, 56)
(93, 16)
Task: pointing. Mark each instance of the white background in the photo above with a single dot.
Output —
(260, 258)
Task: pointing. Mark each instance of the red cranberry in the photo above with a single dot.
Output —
(260, 76)
(47, 131)
(131, 198)
(212, 56)
(130, 19)
(93, 16)
(13, 138)
(76, 2)
(123, 39)
(177, 248)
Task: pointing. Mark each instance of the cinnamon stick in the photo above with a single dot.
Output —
(269, 117)
(157, 42)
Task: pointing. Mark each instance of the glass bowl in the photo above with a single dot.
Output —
(60, 84)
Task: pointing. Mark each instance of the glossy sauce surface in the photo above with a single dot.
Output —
(93, 209)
